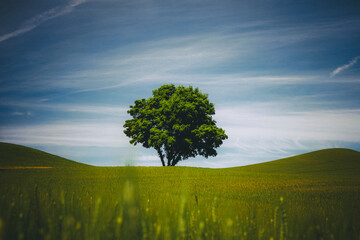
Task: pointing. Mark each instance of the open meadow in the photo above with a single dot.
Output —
(311, 196)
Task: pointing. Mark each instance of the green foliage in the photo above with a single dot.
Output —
(177, 122)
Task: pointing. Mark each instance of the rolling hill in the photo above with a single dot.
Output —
(336, 160)
(12, 155)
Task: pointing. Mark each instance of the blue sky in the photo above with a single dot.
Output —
(284, 75)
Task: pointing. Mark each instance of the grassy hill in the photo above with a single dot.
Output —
(335, 160)
(12, 155)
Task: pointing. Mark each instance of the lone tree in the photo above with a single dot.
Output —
(177, 121)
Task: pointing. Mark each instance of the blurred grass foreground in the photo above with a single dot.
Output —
(311, 196)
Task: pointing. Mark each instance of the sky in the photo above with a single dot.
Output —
(284, 75)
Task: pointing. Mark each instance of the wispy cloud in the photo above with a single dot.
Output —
(41, 18)
(192, 58)
(266, 129)
(344, 67)
(179, 60)
(90, 134)
(28, 113)
(118, 111)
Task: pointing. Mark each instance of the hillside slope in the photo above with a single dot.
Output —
(337, 160)
(12, 155)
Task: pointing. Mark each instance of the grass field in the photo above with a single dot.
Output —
(311, 196)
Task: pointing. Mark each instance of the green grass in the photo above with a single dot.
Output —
(311, 196)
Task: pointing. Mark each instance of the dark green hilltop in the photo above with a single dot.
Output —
(335, 160)
(12, 155)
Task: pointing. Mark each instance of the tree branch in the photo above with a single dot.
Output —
(176, 159)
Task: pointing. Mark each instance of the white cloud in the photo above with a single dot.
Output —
(26, 113)
(18, 113)
(148, 159)
(344, 67)
(97, 134)
(118, 111)
(271, 129)
(41, 18)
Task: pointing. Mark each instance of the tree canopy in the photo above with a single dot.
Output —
(177, 122)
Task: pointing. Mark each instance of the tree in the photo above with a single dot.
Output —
(177, 122)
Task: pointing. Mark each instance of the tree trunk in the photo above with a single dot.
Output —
(161, 157)
(169, 157)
